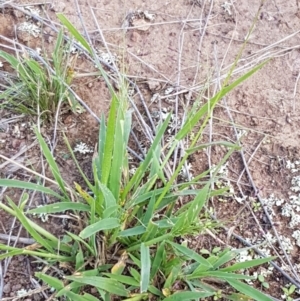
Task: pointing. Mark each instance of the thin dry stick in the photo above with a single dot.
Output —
(295, 91)
(180, 47)
(22, 240)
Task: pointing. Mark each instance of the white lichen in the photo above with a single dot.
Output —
(31, 28)
(82, 148)
(296, 235)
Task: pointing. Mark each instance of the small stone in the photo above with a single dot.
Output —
(18, 14)
(6, 288)
(153, 85)
(134, 36)
(16, 143)
(21, 258)
(3, 135)
(141, 24)
(58, 6)
(90, 85)
(69, 120)
(254, 121)
(16, 287)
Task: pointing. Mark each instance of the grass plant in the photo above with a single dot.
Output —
(126, 246)
(40, 84)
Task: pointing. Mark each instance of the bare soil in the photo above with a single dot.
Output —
(187, 44)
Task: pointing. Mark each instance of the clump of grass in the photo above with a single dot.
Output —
(126, 247)
(40, 85)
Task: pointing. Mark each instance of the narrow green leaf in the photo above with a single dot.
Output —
(218, 274)
(51, 161)
(75, 297)
(104, 224)
(89, 297)
(60, 207)
(207, 107)
(145, 268)
(77, 238)
(101, 146)
(119, 153)
(109, 198)
(74, 32)
(51, 281)
(188, 296)
(123, 279)
(226, 257)
(28, 226)
(135, 274)
(192, 255)
(109, 285)
(79, 260)
(138, 176)
(216, 143)
(247, 264)
(151, 231)
(109, 141)
(150, 210)
(137, 297)
(132, 231)
(173, 276)
(157, 260)
(192, 214)
(29, 186)
(248, 290)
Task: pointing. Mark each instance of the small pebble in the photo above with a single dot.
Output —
(6, 288)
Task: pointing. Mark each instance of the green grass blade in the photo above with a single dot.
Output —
(228, 256)
(109, 285)
(138, 176)
(247, 264)
(79, 261)
(104, 224)
(26, 224)
(77, 238)
(51, 281)
(188, 296)
(150, 211)
(52, 164)
(89, 297)
(109, 199)
(123, 279)
(132, 231)
(206, 145)
(14, 62)
(248, 290)
(191, 215)
(74, 32)
(119, 153)
(59, 207)
(29, 186)
(109, 142)
(207, 108)
(101, 146)
(192, 255)
(218, 274)
(145, 268)
(138, 297)
(156, 265)
(151, 231)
